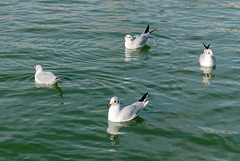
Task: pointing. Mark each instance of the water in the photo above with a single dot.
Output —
(192, 116)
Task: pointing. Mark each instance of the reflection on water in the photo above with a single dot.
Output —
(51, 86)
(207, 74)
(217, 131)
(132, 54)
(114, 127)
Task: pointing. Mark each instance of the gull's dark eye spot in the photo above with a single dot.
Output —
(114, 101)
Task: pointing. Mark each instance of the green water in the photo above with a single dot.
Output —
(192, 116)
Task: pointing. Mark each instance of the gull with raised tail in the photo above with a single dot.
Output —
(44, 77)
(137, 41)
(207, 59)
(117, 113)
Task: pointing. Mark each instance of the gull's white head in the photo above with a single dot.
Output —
(38, 68)
(114, 101)
(207, 51)
(128, 38)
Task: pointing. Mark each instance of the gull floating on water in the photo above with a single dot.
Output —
(137, 41)
(207, 59)
(117, 113)
(44, 77)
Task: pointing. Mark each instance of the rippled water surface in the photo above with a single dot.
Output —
(193, 112)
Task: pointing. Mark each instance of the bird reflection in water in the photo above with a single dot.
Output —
(114, 127)
(207, 74)
(50, 86)
(131, 54)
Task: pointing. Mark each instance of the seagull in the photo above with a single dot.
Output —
(117, 113)
(137, 41)
(43, 77)
(207, 59)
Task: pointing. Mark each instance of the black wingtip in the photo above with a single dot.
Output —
(147, 30)
(207, 47)
(58, 78)
(143, 97)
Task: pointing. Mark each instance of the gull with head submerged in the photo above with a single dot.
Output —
(134, 42)
(207, 59)
(44, 77)
(117, 113)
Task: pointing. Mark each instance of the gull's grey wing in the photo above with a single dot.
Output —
(131, 111)
(135, 37)
(46, 77)
(141, 40)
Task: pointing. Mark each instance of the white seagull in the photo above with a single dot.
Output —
(137, 41)
(207, 59)
(117, 113)
(43, 77)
